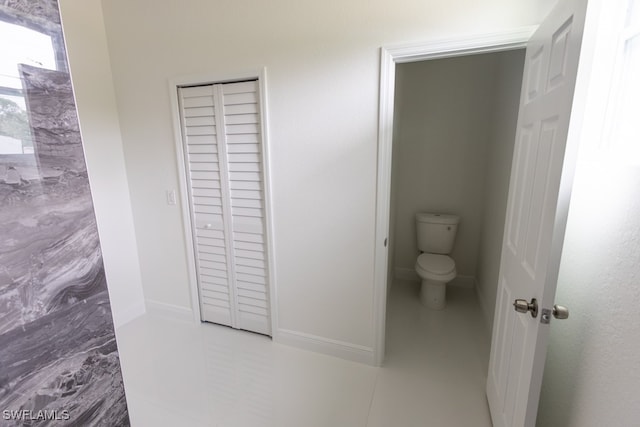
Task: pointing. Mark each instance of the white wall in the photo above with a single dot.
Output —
(95, 99)
(499, 158)
(591, 376)
(444, 111)
(322, 60)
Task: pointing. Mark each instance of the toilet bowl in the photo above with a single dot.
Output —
(436, 235)
(435, 272)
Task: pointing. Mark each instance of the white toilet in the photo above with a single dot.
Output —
(436, 234)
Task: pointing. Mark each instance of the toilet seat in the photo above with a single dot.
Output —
(436, 267)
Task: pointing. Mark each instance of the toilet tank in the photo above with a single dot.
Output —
(436, 232)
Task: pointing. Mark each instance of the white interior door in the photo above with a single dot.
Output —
(536, 215)
(222, 140)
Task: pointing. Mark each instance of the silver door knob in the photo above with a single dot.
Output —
(522, 306)
(208, 226)
(560, 312)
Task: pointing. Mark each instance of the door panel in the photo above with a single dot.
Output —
(533, 224)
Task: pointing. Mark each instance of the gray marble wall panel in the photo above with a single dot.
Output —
(35, 10)
(53, 118)
(59, 362)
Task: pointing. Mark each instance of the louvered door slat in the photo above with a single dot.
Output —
(207, 209)
(240, 260)
(205, 249)
(205, 147)
(244, 158)
(244, 138)
(201, 140)
(240, 119)
(197, 102)
(244, 167)
(198, 112)
(209, 158)
(205, 256)
(206, 192)
(247, 203)
(243, 148)
(204, 175)
(212, 272)
(255, 287)
(246, 194)
(248, 237)
(241, 87)
(200, 121)
(245, 176)
(250, 254)
(215, 282)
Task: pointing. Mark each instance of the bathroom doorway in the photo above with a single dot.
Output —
(551, 110)
(453, 137)
(391, 58)
(453, 134)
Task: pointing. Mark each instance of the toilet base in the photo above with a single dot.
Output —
(432, 294)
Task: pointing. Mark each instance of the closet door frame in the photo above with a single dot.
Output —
(183, 178)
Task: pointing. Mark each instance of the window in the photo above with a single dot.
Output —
(625, 102)
(28, 47)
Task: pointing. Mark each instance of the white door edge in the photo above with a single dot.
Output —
(571, 13)
(184, 199)
(203, 79)
(390, 56)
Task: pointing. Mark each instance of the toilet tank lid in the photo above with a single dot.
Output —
(437, 218)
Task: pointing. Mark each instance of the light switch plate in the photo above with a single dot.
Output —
(171, 197)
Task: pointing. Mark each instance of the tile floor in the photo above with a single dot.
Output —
(181, 374)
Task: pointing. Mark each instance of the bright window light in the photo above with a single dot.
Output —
(625, 126)
(20, 45)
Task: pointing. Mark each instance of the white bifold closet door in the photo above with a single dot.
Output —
(223, 152)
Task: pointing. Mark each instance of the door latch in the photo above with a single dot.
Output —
(560, 312)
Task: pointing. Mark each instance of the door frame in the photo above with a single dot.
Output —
(390, 56)
(261, 76)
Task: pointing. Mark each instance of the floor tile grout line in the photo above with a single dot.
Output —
(373, 395)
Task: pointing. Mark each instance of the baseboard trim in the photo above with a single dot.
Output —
(318, 344)
(410, 274)
(121, 318)
(169, 310)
